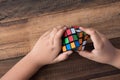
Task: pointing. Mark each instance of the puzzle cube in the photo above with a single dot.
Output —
(74, 39)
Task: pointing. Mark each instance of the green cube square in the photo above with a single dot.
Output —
(66, 40)
(75, 37)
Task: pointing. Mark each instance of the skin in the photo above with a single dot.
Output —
(46, 51)
(104, 51)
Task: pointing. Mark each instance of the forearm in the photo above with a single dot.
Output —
(23, 70)
(116, 61)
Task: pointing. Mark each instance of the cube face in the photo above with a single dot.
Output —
(74, 39)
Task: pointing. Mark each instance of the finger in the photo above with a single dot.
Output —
(86, 54)
(62, 57)
(103, 37)
(96, 38)
(60, 27)
(57, 39)
(46, 34)
(52, 35)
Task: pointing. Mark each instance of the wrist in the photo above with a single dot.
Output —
(116, 60)
(34, 60)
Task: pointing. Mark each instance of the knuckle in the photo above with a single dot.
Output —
(52, 49)
(93, 31)
(104, 39)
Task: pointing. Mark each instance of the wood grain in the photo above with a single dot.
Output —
(75, 68)
(10, 9)
(113, 77)
(22, 22)
(18, 37)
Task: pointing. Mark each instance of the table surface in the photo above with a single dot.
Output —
(22, 22)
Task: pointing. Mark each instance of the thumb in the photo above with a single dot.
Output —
(86, 54)
(63, 56)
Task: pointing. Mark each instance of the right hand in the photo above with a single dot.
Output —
(104, 51)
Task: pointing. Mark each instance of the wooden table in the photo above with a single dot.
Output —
(22, 22)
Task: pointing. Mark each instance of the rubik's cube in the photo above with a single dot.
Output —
(74, 39)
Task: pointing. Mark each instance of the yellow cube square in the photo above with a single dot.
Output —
(72, 45)
(64, 48)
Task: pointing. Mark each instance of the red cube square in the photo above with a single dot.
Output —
(70, 38)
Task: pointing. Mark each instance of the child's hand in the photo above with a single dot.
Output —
(47, 48)
(45, 51)
(104, 52)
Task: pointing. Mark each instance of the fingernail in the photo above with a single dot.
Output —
(81, 28)
(65, 28)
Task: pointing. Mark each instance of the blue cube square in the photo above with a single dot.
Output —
(77, 43)
(68, 47)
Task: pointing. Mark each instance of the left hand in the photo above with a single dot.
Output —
(47, 48)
